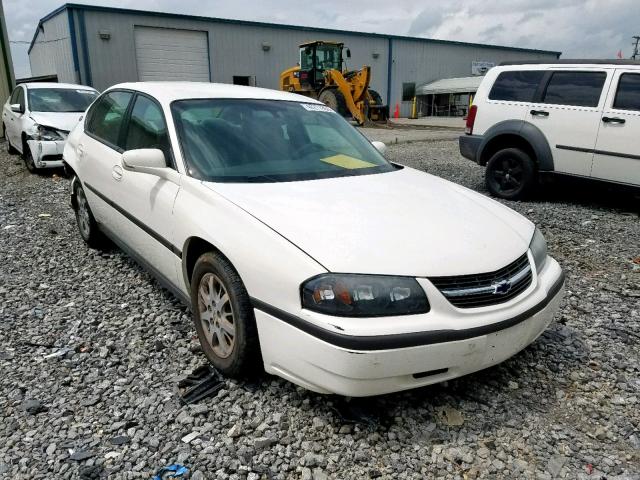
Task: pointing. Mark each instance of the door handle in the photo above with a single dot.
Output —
(619, 121)
(539, 113)
(116, 172)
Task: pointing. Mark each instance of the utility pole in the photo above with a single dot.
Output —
(636, 45)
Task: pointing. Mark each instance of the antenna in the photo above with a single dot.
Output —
(636, 46)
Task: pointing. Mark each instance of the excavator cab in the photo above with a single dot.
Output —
(315, 59)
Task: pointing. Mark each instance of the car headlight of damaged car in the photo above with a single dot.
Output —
(47, 134)
(354, 295)
(538, 247)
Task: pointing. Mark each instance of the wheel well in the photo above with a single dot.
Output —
(501, 142)
(196, 246)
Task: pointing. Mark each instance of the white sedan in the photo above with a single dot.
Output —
(300, 248)
(37, 118)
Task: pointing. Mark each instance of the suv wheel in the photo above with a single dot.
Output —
(224, 317)
(510, 174)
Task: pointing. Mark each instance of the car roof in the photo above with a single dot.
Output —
(170, 91)
(73, 86)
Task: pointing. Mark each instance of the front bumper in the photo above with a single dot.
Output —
(470, 146)
(333, 363)
(47, 154)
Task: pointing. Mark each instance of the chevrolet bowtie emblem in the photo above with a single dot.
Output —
(502, 288)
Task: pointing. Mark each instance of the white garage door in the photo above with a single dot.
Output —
(169, 54)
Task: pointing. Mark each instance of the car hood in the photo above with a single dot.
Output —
(404, 222)
(61, 121)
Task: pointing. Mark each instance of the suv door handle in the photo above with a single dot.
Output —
(613, 120)
(539, 113)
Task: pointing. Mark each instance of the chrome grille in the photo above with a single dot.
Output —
(481, 290)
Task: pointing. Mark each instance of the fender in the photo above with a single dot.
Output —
(527, 131)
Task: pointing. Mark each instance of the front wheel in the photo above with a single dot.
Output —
(223, 317)
(510, 174)
(334, 99)
(28, 159)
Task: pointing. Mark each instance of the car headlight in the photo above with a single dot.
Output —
(355, 295)
(538, 247)
(47, 133)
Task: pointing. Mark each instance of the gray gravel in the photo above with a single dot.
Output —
(91, 350)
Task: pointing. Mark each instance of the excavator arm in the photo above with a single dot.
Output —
(354, 90)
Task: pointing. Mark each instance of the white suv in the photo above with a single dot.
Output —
(577, 118)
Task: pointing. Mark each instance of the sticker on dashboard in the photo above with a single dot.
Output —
(314, 107)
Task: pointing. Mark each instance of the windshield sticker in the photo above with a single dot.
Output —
(314, 107)
(345, 161)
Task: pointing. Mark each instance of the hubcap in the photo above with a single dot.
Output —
(216, 315)
(508, 175)
(82, 214)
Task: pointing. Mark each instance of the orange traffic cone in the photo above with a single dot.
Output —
(396, 113)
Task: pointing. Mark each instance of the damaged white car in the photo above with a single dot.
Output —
(38, 117)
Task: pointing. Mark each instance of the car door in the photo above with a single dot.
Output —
(144, 200)
(568, 112)
(617, 152)
(12, 120)
(98, 150)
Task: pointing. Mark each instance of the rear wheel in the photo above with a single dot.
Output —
(510, 174)
(334, 99)
(223, 317)
(87, 225)
(10, 149)
(377, 99)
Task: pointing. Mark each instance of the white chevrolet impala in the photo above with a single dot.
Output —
(300, 248)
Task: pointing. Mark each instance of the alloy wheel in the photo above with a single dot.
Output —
(509, 175)
(83, 215)
(216, 315)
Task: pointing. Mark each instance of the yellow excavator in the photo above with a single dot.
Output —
(320, 75)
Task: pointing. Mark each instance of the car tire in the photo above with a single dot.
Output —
(28, 159)
(223, 317)
(10, 148)
(511, 174)
(87, 225)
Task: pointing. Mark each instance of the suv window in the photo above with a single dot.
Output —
(516, 86)
(147, 128)
(581, 89)
(628, 95)
(106, 115)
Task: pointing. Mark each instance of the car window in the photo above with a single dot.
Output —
(106, 115)
(60, 100)
(516, 86)
(580, 89)
(628, 94)
(147, 128)
(251, 140)
(15, 96)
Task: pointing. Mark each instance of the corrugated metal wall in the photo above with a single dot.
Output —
(237, 49)
(6, 66)
(52, 53)
(423, 62)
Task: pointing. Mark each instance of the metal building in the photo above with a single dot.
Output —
(102, 46)
(7, 79)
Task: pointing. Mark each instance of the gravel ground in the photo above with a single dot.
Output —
(91, 351)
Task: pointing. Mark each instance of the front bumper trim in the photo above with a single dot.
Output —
(404, 340)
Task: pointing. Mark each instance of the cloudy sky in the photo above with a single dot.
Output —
(578, 28)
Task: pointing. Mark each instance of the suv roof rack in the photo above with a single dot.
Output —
(570, 61)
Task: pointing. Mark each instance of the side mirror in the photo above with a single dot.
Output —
(348, 53)
(380, 146)
(150, 161)
(16, 107)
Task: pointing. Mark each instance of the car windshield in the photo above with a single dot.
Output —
(245, 140)
(60, 100)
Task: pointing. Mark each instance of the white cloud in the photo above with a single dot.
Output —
(578, 28)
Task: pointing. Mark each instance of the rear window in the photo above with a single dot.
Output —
(628, 95)
(580, 89)
(516, 86)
